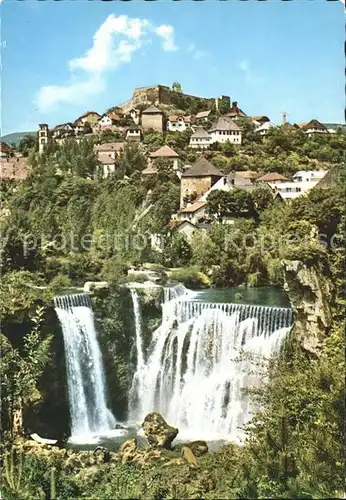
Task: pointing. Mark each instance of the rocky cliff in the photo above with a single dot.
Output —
(310, 294)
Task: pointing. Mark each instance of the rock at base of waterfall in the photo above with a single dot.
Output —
(189, 456)
(128, 450)
(198, 448)
(158, 432)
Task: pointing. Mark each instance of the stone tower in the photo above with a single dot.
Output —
(42, 137)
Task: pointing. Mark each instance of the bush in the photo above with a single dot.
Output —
(190, 277)
(59, 282)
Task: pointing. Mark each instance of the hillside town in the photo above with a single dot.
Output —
(206, 127)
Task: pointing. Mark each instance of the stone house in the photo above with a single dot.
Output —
(200, 139)
(224, 130)
(197, 180)
(152, 118)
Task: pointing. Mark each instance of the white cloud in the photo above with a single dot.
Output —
(166, 32)
(250, 77)
(196, 53)
(114, 43)
(76, 93)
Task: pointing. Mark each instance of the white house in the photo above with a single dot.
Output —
(200, 139)
(108, 165)
(263, 128)
(108, 120)
(107, 154)
(133, 133)
(314, 127)
(291, 190)
(63, 130)
(135, 115)
(309, 175)
(184, 227)
(225, 130)
(223, 184)
(193, 212)
(178, 123)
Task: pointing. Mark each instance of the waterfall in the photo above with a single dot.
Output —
(85, 377)
(136, 387)
(195, 373)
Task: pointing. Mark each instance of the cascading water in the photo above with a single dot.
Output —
(136, 382)
(85, 377)
(194, 375)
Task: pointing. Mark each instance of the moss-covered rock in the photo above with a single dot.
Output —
(158, 432)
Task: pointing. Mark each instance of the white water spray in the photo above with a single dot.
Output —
(86, 384)
(193, 374)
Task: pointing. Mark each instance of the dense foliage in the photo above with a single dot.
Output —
(65, 225)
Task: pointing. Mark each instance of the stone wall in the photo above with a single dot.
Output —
(160, 94)
(190, 185)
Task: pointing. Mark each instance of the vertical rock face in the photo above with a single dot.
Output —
(310, 294)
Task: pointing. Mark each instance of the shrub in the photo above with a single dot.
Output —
(59, 282)
(190, 277)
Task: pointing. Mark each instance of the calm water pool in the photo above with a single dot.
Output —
(265, 296)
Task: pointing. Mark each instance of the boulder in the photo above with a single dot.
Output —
(198, 448)
(158, 432)
(128, 450)
(189, 456)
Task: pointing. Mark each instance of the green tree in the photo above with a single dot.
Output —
(21, 372)
(27, 144)
(230, 204)
(176, 87)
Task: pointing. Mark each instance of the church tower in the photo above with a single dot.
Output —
(42, 137)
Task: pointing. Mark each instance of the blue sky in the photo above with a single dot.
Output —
(269, 56)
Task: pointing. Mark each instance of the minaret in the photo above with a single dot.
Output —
(42, 137)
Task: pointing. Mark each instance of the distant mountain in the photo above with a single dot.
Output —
(15, 137)
(335, 126)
